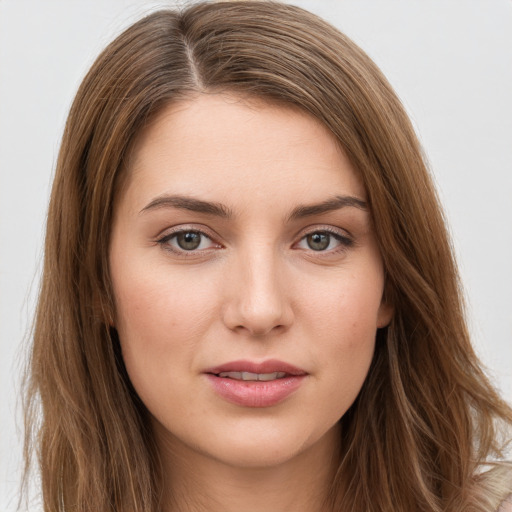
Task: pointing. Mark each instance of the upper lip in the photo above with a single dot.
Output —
(269, 366)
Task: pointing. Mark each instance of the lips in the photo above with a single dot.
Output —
(248, 376)
(251, 384)
(265, 367)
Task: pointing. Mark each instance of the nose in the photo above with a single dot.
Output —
(258, 303)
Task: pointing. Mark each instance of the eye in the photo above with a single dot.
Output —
(324, 241)
(188, 240)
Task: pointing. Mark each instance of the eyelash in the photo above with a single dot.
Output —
(164, 241)
(345, 241)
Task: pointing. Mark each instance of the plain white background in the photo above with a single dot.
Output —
(450, 62)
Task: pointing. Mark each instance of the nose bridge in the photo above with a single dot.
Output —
(259, 302)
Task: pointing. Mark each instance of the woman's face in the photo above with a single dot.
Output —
(247, 280)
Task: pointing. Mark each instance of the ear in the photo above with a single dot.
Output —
(110, 315)
(385, 314)
(110, 320)
(104, 309)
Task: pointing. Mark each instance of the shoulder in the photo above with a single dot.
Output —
(493, 488)
(506, 506)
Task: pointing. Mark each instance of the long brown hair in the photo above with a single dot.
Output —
(426, 421)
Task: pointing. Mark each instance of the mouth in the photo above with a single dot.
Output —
(250, 384)
(248, 370)
(248, 376)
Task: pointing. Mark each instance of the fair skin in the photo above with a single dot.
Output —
(242, 234)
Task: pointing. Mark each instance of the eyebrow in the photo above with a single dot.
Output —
(219, 210)
(335, 203)
(189, 203)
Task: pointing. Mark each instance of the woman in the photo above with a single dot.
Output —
(249, 298)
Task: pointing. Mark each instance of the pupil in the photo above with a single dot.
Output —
(318, 241)
(189, 240)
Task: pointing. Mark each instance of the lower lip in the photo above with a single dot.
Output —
(255, 393)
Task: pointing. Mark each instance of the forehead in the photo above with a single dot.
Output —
(232, 148)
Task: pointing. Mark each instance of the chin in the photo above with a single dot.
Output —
(262, 455)
(264, 446)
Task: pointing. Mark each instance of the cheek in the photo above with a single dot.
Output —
(154, 299)
(348, 304)
(160, 316)
(342, 321)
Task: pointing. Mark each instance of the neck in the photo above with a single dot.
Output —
(195, 482)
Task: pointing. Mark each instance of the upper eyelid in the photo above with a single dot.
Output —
(323, 228)
(181, 228)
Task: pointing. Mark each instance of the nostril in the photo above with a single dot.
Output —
(259, 332)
